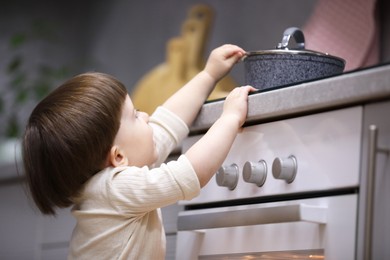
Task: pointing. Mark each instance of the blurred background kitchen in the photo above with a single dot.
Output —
(42, 43)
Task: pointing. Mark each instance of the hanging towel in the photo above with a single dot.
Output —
(347, 29)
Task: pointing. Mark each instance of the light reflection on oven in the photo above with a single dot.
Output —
(314, 254)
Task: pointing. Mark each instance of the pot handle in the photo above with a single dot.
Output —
(298, 37)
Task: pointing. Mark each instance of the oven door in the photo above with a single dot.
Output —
(316, 228)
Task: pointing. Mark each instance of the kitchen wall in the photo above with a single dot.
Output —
(148, 25)
(126, 39)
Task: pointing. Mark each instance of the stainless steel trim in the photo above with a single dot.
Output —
(372, 142)
(291, 52)
(207, 219)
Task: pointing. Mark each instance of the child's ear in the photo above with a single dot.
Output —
(117, 157)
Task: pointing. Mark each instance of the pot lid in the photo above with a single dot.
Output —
(285, 46)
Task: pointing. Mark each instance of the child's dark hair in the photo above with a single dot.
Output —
(68, 137)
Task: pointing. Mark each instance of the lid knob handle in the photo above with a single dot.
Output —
(298, 36)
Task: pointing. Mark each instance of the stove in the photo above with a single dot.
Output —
(307, 178)
(284, 183)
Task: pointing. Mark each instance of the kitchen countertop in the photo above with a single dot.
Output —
(352, 88)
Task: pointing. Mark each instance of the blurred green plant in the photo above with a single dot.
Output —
(26, 80)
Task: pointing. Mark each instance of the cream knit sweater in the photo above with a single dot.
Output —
(118, 214)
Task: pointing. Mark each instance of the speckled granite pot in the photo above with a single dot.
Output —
(284, 66)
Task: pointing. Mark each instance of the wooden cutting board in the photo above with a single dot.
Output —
(185, 57)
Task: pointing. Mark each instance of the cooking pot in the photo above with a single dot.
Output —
(286, 65)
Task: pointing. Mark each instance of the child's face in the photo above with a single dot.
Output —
(135, 136)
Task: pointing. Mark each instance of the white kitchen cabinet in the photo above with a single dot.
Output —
(18, 223)
(55, 233)
(27, 234)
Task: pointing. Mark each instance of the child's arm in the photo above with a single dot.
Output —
(187, 101)
(207, 155)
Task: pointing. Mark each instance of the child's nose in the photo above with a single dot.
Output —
(145, 116)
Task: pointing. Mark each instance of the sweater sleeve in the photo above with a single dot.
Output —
(134, 191)
(169, 130)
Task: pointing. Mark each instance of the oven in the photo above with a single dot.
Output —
(288, 189)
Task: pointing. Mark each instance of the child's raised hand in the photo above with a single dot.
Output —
(236, 104)
(222, 59)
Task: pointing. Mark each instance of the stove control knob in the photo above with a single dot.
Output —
(255, 172)
(227, 176)
(285, 168)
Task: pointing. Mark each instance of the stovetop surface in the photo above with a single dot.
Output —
(308, 81)
(348, 89)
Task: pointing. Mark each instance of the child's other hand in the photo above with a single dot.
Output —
(222, 59)
(236, 104)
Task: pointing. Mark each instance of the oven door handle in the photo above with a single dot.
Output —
(206, 219)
